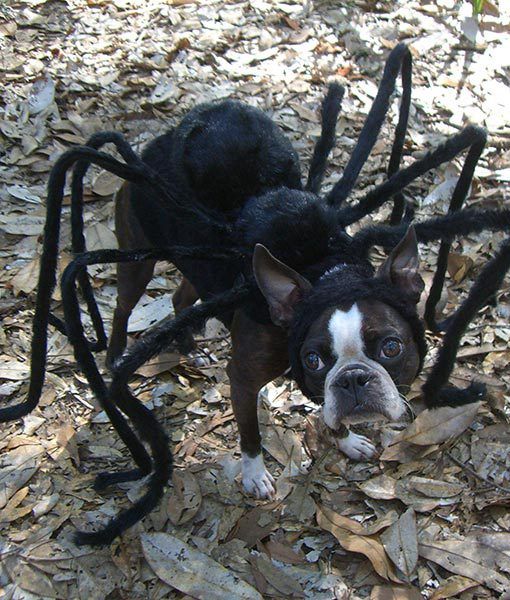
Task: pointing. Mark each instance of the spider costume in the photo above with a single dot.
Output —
(302, 229)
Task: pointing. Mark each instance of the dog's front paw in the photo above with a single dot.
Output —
(257, 480)
(356, 446)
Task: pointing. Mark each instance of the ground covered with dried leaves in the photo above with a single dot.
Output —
(429, 516)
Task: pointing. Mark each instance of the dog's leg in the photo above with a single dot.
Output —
(185, 295)
(259, 354)
(132, 278)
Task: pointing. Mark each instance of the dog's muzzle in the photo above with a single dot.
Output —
(357, 391)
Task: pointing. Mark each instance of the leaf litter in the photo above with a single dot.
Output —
(431, 515)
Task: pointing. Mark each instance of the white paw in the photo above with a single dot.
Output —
(257, 480)
(356, 446)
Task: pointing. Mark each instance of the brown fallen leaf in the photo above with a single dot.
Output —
(470, 559)
(160, 364)
(282, 582)
(459, 265)
(41, 95)
(438, 425)
(13, 370)
(407, 493)
(434, 488)
(36, 582)
(26, 278)
(16, 468)
(192, 572)
(184, 504)
(401, 542)
(284, 553)
(406, 452)
(253, 526)
(394, 592)
(66, 438)
(105, 184)
(452, 587)
(370, 546)
(299, 502)
(382, 487)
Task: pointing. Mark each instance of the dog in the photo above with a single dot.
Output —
(349, 333)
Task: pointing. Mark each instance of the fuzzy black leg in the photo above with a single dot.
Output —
(372, 126)
(399, 203)
(169, 199)
(151, 431)
(458, 197)
(83, 354)
(147, 426)
(330, 109)
(85, 359)
(468, 137)
(457, 224)
(48, 264)
(435, 389)
(96, 141)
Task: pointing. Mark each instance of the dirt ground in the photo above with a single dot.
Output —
(428, 518)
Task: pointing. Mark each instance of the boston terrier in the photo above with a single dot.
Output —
(350, 334)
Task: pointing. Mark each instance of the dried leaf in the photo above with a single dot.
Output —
(26, 278)
(470, 559)
(13, 370)
(18, 224)
(401, 542)
(105, 184)
(41, 95)
(434, 488)
(452, 587)
(370, 546)
(394, 592)
(278, 579)
(284, 553)
(382, 487)
(438, 425)
(160, 364)
(253, 526)
(16, 468)
(300, 502)
(149, 311)
(192, 572)
(186, 499)
(459, 266)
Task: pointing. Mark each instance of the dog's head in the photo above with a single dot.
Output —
(355, 340)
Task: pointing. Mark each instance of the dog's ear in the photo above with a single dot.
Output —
(401, 266)
(282, 287)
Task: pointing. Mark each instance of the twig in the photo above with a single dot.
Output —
(477, 475)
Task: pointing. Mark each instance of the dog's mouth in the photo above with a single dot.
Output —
(359, 393)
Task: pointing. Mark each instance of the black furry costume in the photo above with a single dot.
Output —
(219, 230)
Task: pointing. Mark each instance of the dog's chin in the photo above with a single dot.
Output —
(393, 409)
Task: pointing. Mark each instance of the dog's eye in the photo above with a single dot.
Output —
(391, 348)
(313, 362)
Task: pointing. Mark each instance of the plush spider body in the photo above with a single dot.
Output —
(301, 228)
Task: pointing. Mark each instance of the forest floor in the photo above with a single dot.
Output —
(429, 517)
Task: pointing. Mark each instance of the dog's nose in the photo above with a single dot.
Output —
(353, 380)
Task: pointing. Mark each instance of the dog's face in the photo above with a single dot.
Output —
(359, 357)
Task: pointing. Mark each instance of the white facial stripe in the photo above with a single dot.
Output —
(345, 330)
